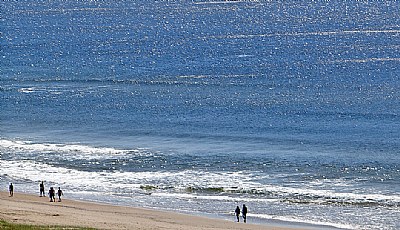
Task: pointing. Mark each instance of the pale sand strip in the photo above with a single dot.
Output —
(29, 209)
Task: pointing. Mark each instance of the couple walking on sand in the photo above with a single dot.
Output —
(244, 213)
(52, 194)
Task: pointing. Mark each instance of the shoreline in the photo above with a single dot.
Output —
(34, 210)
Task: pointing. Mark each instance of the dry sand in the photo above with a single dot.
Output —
(29, 209)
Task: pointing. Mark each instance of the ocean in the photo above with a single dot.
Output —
(289, 107)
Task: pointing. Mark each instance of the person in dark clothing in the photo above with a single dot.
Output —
(59, 193)
(237, 212)
(244, 213)
(42, 189)
(52, 194)
(11, 189)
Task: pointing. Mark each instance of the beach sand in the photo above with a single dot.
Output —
(30, 209)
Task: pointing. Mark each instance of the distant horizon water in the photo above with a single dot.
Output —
(289, 107)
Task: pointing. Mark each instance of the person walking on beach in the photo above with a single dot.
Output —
(11, 189)
(52, 194)
(59, 193)
(42, 189)
(244, 213)
(237, 212)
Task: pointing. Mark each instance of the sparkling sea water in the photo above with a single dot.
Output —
(289, 107)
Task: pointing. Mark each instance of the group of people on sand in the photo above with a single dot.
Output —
(244, 213)
(52, 192)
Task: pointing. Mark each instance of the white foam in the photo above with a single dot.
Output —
(33, 171)
(74, 151)
(326, 194)
(27, 90)
(191, 196)
(180, 181)
(304, 221)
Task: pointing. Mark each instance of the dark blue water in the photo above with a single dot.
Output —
(290, 107)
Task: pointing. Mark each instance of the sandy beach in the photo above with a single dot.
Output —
(30, 209)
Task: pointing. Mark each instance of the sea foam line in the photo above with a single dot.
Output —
(298, 220)
(224, 2)
(365, 60)
(302, 34)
